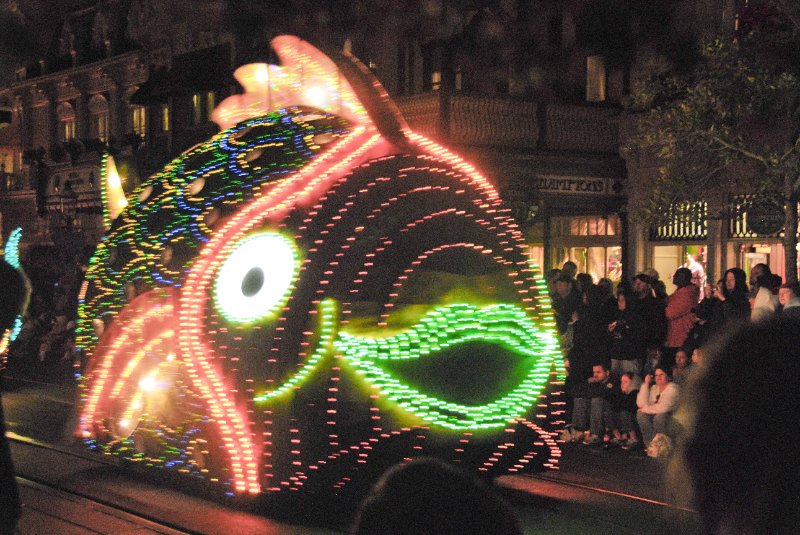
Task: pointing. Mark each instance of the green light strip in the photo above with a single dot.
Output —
(103, 193)
(327, 310)
(504, 324)
(11, 254)
(12, 248)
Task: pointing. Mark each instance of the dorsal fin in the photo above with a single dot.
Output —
(114, 200)
(337, 84)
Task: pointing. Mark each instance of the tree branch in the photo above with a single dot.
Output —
(741, 150)
(791, 149)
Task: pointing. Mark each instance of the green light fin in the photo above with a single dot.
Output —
(502, 324)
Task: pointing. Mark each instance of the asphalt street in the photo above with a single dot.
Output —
(595, 490)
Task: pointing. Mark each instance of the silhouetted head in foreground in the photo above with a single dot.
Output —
(14, 292)
(13, 295)
(430, 496)
(742, 444)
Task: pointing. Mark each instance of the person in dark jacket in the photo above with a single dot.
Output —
(735, 303)
(13, 298)
(709, 315)
(591, 341)
(628, 338)
(650, 311)
(623, 404)
(566, 300)
(592, 409)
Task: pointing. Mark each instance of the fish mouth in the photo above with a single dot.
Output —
(396, 366)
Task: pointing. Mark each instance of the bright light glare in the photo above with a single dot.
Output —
(261, 73)
(257, 277)
(148, 384)
(316, 95)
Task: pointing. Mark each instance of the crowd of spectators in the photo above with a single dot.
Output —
(629, 355)
(44, 348)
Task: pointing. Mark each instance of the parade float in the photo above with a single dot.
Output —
(312, 295)
(11, 255)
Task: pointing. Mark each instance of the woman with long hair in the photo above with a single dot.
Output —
(735, 303)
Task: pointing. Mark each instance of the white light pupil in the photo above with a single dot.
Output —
(274, 255)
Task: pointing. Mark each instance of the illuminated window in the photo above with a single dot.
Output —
(140, 121)
(98, 111)
(598, 261)
(595, 79)
(165, 118)
(197, 109)
(585, 226)
(211, 102)
(436, 80)
(66, 121)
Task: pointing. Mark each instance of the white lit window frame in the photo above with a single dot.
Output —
(197, 108)
(166, 118)
(66, 122)
(211, 102)
(139, 115)
(595, 78)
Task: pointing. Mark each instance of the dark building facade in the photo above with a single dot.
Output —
(534, 92)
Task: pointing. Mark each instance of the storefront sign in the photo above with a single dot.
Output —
(571, 184)
(765, 217)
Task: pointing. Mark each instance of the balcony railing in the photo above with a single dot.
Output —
(486, 121)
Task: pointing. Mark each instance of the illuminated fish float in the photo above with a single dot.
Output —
(313, 294)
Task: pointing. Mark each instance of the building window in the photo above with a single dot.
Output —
(101, 124)
(585, 226)
(436, 80)
(166, 119)
(66, 121)
(140, 121)
(433, 66)
(98, 110)
(599, 261)
(211, 102)
(197, 109)
(595, 79)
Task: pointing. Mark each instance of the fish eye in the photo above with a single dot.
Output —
(257, 277)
